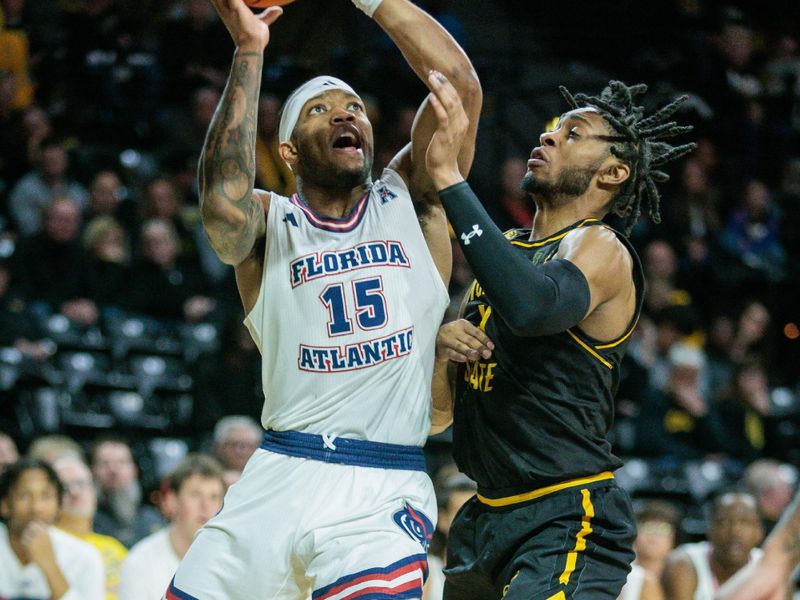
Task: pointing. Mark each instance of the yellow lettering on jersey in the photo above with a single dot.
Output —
(479, 375)
(476, 291)
(485, 312)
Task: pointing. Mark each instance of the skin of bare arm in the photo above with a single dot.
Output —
(233, 213)
(679, 579)
(427, 46)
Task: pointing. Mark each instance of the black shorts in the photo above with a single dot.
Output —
(574, 541)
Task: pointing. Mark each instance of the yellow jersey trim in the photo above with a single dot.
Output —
(580, 539)
(619, 340)
(539, 492)
(589, 349)
(553, 238)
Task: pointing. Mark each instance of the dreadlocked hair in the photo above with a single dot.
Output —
(637, 144)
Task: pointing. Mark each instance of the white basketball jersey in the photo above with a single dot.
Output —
(707, 584)
(347, 317)
(634, 584)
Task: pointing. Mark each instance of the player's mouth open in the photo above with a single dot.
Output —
(347, 140)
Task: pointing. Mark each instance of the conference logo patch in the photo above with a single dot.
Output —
(415, 524)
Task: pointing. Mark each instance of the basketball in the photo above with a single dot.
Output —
(266, 3)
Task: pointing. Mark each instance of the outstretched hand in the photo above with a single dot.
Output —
(441, 158)
(461, 341)
(249, 31)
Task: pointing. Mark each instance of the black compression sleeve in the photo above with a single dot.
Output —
(532, 299)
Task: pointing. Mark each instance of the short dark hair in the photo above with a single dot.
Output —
(659, 510)
(15, 471)
(194, 464)
(635, 144)
(109, 438)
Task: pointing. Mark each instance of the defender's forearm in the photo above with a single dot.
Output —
(426, 45)
(232, 218)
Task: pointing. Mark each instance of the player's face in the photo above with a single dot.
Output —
(33, 498)
(334, 141)
(735, 530)
(569, 156)
(199, 499)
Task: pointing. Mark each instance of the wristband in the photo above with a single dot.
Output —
(368, 6)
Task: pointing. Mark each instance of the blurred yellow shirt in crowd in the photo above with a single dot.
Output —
(113, 553)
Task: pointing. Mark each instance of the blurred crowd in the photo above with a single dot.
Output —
(115, 315)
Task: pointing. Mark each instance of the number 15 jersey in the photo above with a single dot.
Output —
(346, 319)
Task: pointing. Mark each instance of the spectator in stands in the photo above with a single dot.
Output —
(679, 421)
(187, 132)
(162, 201)
(51, 267)
(235, 439)
(657, 527)
(229, 383)
(193, 495)
(108, 197)
(695, 571)
(272, 173)
(163, 284)
(661, 270)
(36, 559)
(720, 366)
(77, 517)
(694, 211)
(18, 328)
(751, 332)
(772, 484)
(8, 451)
(49, 448)
(38, 189)
(107, 245)
(753, 236)
(744, 409)
(120, 513)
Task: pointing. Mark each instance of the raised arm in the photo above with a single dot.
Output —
(233, 213)
(427, 46)
(532, 299)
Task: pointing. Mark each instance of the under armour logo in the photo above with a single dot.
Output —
(466, 237)
(289, 218)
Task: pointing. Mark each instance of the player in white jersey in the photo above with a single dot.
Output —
(770, 577)
(696, 571)
(344, 286)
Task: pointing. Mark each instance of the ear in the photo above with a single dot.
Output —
(4, 511)
(614, 174)
(169, 503)
(288, 152)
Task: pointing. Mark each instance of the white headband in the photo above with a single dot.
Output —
(310, 89)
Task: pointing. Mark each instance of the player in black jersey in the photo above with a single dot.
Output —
(538, 352)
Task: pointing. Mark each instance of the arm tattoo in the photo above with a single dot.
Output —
(227, 163)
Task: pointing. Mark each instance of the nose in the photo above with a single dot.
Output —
(340, 115)
(547, 139)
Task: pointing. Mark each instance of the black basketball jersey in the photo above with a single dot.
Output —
(537, 412)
